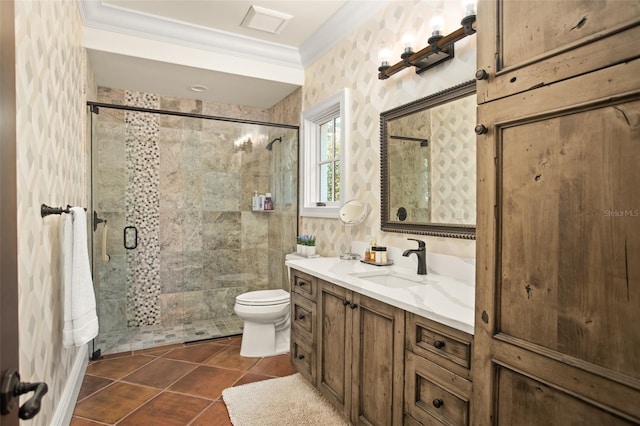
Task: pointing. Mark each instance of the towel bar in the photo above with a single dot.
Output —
(46, 210)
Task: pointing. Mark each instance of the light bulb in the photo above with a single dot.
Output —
(385, 54)
(469, 7)
(437, 24)
(407, 42)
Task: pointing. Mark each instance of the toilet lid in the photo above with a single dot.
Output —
(263, 297)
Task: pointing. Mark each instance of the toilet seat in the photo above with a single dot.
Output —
(263, 298)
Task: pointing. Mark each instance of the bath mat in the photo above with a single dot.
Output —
(283, 401)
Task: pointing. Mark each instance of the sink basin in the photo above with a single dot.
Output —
(391, 279)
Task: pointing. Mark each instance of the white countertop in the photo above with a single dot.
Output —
(446, 300)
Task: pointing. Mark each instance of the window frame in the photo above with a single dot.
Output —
(333, 107)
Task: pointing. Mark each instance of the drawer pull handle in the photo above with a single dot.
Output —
(438, 403)
(301, 317)
(300, 283)
(439, 344)
(300, 356)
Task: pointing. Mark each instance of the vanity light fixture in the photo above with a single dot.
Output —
(440, 48)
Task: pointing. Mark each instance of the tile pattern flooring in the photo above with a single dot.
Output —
(171, 385)
(137, 338)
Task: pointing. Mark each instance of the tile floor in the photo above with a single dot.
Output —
(171, 385)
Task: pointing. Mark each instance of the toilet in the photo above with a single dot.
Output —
(267, 324)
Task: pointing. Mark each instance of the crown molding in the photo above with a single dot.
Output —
(97, 15)
(351, 16)
(110, 18)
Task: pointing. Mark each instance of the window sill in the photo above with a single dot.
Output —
(326, 212)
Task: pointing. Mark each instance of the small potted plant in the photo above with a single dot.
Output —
(311, 245)
(306, 245)
(299, 245)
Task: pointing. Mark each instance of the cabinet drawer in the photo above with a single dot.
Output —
(304, 284)
(303, 357)
(433, 394)
(303, 316)
(443, 345)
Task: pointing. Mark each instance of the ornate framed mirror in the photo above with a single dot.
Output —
(428, 165)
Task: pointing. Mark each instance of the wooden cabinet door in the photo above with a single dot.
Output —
(557, 334)
(334, 344)
(530, 43)
(377, 362)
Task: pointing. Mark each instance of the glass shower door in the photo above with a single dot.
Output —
(182, 240)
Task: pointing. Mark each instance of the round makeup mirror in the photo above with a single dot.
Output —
(352, 213)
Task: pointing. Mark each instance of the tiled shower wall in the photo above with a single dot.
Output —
(283, 226)
(202, 244)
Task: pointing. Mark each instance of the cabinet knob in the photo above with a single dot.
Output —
(438, 403)
(301, 283)
(439, 344)
(482, 75)
(300, 356)
(346, 302)
(481, 129)
(353, 305)
(301, 317)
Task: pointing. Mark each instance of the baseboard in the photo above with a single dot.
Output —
(66, 405)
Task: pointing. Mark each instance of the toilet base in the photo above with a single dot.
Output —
(261, 340)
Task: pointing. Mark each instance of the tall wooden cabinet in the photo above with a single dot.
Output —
(360, 354)
(557, 336)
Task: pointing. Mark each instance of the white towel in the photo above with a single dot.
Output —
(80, 318)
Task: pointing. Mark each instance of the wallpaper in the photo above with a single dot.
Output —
(50, 97)
(353, 63)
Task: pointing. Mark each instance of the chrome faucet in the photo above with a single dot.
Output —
(422, 256)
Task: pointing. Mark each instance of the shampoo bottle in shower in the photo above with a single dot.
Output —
(268, 201)
(254, 201)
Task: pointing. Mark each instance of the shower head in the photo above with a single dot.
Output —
(270, 144)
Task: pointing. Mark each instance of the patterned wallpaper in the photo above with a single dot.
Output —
(50, 97)
(353, 63)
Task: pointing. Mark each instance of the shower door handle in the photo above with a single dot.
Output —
(129, 242)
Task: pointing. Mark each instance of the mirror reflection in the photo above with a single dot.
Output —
(428, 165)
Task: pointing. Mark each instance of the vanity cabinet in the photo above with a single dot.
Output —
(557, 340)
(360, 355)
(377, 364)
(303, 324)
(437, 373)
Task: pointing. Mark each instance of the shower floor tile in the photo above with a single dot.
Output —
(139, 338)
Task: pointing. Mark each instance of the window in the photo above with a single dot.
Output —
(324, 138)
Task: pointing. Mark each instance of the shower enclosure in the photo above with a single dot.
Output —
(175, 237)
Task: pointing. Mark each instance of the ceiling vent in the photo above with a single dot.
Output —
(271, 21)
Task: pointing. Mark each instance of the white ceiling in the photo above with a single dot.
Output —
(166, 46)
